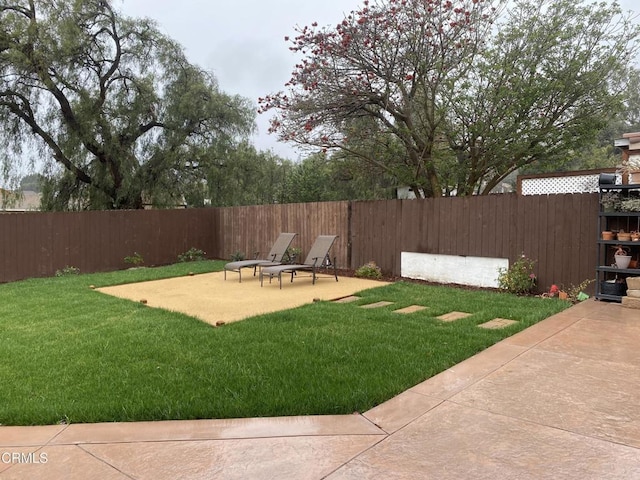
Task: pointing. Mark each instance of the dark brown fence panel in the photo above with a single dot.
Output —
(38, 244)
(374, 233)
(254, 228)
(557, 231)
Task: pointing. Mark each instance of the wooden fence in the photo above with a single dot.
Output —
(558, 231)
(254, 228)
(36, 244)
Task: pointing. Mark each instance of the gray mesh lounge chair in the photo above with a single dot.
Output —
(274, 258)
(317, 255)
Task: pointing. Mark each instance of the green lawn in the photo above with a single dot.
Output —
(72, 354)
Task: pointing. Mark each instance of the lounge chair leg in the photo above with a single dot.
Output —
(280, 279)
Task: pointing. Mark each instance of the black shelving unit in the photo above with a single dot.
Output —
(615, 221)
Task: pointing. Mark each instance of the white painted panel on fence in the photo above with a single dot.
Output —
(475, 271)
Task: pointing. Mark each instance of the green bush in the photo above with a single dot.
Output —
(192, 255)
(237, 256)
(136, 259)
(519, 278)
(68, 270)
(369, 270)
(291, 254)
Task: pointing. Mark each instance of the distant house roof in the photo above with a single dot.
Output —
(630, 141)
(19, 201)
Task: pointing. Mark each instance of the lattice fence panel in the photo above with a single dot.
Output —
(559, 185)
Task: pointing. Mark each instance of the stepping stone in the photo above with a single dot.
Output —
(497, 323)
(453, 316)
(631, 302)
(348, 299)
(377, 305)
(410, 309)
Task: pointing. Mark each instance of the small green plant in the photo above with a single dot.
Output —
(630, 205)
(237, 256)
(67, 270)
(291, 254)
(575, 293)
(136, 259)
(369, 270)
(519, 278)
(192, 255)
(610, 201)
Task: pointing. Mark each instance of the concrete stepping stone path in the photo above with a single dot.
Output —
(494, 324)
(497, 323)
(349, 299)
(410, 309)
(377, 305)
(453, 316)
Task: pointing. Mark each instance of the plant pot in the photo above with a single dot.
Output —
(611, 287)
(624, 237)
(607, 179)
(607, 235)
(622, 261)
(563, 295)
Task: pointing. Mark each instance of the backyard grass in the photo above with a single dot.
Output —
(70, 354)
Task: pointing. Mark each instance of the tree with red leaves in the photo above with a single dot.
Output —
(446, 98)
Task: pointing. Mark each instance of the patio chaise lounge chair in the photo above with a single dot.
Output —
(317, 255)
(278, 250)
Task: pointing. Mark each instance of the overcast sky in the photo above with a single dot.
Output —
(242, 41)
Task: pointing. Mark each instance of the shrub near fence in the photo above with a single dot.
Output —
(558, 231)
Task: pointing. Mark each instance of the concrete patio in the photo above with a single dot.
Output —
(560, 400)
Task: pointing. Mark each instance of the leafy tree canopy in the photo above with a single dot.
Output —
(109, 104)
(450, 97)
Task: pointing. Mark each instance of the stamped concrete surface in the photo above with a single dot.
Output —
(212, 299)
(559, 400)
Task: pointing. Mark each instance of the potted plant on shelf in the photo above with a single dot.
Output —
(631, 168)
(624, 236)
(622, 257)
(630, 204)
(610, 201)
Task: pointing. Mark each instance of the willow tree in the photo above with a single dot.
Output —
(111, 108)
(449, 96)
